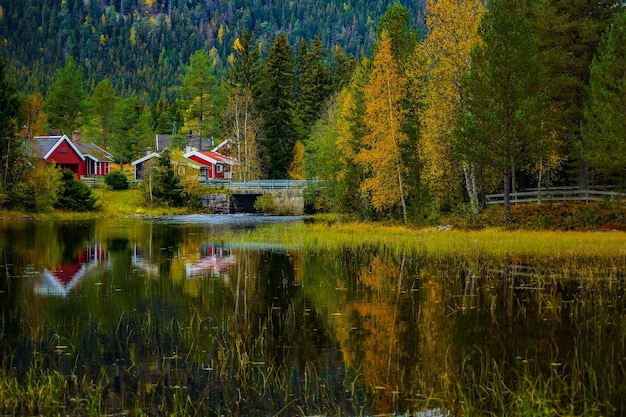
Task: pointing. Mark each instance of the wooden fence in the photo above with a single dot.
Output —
(555, 195)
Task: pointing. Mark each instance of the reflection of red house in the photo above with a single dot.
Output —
(84, 159)
(61, 280)
(216, 261)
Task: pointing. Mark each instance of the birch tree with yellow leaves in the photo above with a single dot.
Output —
(440, 62)
(381, 154)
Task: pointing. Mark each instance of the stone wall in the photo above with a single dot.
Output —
(217, 203)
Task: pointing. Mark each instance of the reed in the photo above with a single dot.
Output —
(498, 243)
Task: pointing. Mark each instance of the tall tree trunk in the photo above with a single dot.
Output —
(469, 172)
(507, 195)
(398, 156)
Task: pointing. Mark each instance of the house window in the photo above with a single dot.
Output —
(219, 168)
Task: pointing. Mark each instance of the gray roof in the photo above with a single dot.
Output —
(41, 145)
(94, 151)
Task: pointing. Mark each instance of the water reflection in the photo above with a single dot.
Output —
(160, 316)
(61, 279)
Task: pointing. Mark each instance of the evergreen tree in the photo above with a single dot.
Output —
(396, 22)
(11, 149)
(201, 94)
(65, 101)
(314, 82)
(131, 132)
(279, 127)
(506, 101)
(342, 68)
(246, 71)
(163, 185)
(605, 109)
(569, 32)
(104, 103)
(75, 195)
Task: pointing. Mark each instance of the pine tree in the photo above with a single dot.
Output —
(314, 82)
(569, 32)
(502, 125)
(104, 102)
(201, 94)
(278, 102)
(11, 149)
(65, 101)
(605, 109)
(246, 70)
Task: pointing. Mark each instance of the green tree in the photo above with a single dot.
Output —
(569, 32)
(131, 130)
(246, 70)
(314, 82)
(65, 101)
(201, 94)
(605, 109)
(396, 22)
(11, 151)
(342, 67)
(162, 185)
(104, 103)
(75, 195)
(278, 102)
(506, 101)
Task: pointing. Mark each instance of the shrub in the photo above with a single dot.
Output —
(265, 204)
(39, 191)
(75, 195)
(116, 180)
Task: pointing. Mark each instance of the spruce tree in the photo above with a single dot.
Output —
(506, 101)
(605, 109)
(278, 103)
(314, 82)
(65, 101)
(11, 151)
(569, 32)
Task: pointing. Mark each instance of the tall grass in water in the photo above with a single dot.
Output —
(549, 245)
(246, 373)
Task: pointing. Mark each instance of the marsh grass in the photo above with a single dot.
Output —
(245, 373)
(493, 243)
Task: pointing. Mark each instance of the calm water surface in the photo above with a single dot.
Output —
(164, 315)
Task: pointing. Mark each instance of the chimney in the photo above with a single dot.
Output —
(76, 136)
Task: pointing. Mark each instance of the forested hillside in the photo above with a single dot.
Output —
(142, 46)
(397, 121)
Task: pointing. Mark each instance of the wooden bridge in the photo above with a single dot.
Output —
(556, 194)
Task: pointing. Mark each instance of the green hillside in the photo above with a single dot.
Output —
(142, 46)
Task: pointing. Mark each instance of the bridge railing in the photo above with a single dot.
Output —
(259, 185)
(556, 195)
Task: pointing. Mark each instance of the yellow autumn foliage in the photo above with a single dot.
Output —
(443, 58)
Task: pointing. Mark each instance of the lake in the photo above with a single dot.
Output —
(163, 316)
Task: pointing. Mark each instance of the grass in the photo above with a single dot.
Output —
(493, 242)
(123, 203)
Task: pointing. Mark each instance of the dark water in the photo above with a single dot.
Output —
(165, 316)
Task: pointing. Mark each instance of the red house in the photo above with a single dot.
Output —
(213, 165)
(84, 159)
